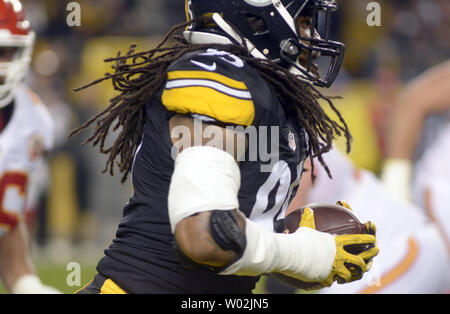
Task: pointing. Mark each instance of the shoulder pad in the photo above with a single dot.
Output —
(210, 83)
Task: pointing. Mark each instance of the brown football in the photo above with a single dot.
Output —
(333, 219)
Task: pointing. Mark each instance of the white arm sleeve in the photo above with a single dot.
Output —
(307, 254)
(205, 178)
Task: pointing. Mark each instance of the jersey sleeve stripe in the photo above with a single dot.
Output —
(211, 76)
(211, 84)
(211, 103)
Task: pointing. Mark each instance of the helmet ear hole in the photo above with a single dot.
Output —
(257, 24)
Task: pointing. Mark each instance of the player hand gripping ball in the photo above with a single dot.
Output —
(355, 242)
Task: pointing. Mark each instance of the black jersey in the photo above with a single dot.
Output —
(218, 87)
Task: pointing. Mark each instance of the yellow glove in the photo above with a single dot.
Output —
(307, 219)
(354, 252)
(344, 204)
(350, 266)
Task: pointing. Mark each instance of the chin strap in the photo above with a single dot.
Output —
(287, 17)
(233, 34)
(300, 75)
(196, 37)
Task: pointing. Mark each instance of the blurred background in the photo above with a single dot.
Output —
(79, 208)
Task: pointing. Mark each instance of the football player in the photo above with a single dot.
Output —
(214, 129)
(413, 255)
(25, 133)
(419, 135)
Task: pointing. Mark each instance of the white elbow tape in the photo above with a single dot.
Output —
(306, 254)
(205, 178)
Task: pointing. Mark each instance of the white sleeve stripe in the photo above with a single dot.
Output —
(211, 84)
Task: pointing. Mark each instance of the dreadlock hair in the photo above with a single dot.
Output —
(139, 75)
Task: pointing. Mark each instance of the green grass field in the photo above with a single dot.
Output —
(55, 275)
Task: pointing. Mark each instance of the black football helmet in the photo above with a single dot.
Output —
(270, 29)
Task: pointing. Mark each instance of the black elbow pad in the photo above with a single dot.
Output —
(225, 231)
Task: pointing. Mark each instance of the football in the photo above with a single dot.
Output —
(333, 219)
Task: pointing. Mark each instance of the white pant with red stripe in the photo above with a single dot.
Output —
(409, 264)
(431, 184)
(413, 256)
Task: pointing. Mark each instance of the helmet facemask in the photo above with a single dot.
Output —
(313, 44)
(15, 58)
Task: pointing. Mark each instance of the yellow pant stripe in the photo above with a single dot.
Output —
(109, 287)
(83, 287)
